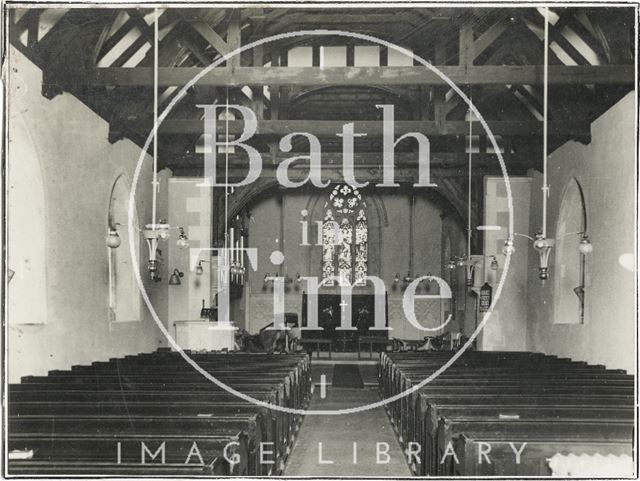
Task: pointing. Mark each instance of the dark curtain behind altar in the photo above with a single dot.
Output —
(330, 308)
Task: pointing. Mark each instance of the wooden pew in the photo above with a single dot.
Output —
(245, 427)
(432, 408)
(137, 394)
(507, 377)
(504, 393)
(543, 438)
(98, 454)
(114, 402)
(537, 380)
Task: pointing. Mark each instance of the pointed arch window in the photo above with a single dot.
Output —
(345, 236)
(124, 296)
(570, 263)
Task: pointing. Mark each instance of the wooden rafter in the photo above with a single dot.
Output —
(361, 159)
(475, 75)
(481, 49)
(371, 128)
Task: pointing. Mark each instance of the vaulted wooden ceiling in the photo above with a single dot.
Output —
(105, 57)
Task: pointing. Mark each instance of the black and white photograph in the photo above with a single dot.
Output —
(319, 240)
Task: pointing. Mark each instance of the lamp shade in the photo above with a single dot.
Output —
(585, 246)
(174, 280)
(508, 247)
(113, 239)
(199, 269)
(183, 240)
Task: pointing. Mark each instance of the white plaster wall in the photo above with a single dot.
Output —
(607, 171)
(190, 208)
(79, 167)
(506, 328)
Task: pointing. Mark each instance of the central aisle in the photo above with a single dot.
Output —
(335, 436)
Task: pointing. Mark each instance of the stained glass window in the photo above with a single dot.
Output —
(345, 236)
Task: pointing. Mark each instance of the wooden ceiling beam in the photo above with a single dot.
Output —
(329, 128)
(489, 37)
(471, 75)
(373, 176)
(211, 36)
(334, 159)
(576, 25)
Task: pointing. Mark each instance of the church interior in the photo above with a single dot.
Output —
(320, 241)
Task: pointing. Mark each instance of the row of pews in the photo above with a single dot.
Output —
(462, 422)
(153, 414)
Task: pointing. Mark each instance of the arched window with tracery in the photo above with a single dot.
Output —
(345, 236)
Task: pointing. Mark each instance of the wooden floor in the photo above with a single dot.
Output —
(337, 435)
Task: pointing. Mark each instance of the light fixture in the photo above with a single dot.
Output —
(508, 248)
(494, 263)
(585, 245)
(183, 240)
(174, 280)
(298, 277)
(113, 239)
(199, 268)
(543, 246)
(541, 243)
(160, 231)
(451, 265)
(408, 279)
(156, 231)
(396, 278)
(468, 261)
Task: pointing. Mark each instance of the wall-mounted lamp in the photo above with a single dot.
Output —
(113, 239)
(469, 263)
(585, 245)
(268, 279)
(199, 268)
(155, 232)
(494, 263)
(183, 240)
(508, 248)
(396, 278)
(174, 280)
